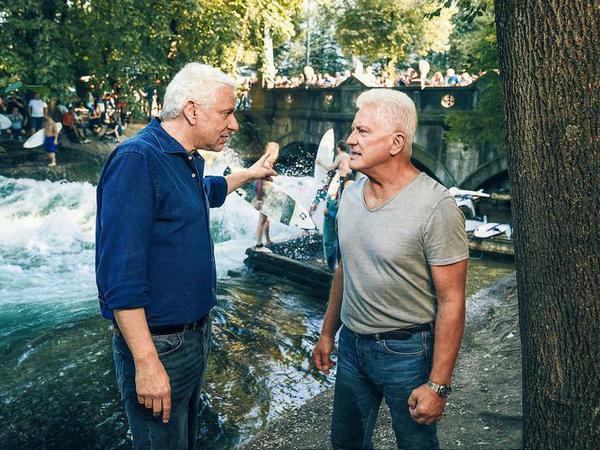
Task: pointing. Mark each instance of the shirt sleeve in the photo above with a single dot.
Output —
(126, 201)
(445, 236)
(216, 190)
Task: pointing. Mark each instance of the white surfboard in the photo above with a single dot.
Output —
(334, 186)
(325, 156)
(471, 225)
(277, 204)
(423, 71)
(490, 229)
(466, 193)
(37, 138)
(5, 122)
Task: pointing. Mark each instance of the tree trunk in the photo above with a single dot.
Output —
(549, 62)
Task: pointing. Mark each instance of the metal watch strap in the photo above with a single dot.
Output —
(440, 389)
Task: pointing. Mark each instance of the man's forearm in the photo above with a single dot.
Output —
(134, 328)
(449, 330)
(332, 322)
(237, 179)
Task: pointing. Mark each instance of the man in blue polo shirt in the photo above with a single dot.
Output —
(155, 263)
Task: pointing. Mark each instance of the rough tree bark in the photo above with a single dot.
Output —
(549, 63)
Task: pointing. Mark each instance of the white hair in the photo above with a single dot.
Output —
(395, 110)
(196, 82)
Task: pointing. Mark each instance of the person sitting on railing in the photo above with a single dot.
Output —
(437, 80)
(465, 79)
(451, 77)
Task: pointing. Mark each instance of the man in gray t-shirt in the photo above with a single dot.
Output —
(401, 282)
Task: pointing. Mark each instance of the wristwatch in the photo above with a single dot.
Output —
(440, 389)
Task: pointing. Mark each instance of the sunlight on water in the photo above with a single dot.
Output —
(47, 244)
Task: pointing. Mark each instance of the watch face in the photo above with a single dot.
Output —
(444, 391)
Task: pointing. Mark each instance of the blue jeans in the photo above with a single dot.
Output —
(184, 356)
(37, 123)
(369, 370)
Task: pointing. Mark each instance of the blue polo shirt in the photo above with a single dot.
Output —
(153, 244)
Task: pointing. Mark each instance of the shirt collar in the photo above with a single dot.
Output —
(167, 143)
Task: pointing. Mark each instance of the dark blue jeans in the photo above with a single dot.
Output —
(37, 123)
(184, 356)
(369, 370)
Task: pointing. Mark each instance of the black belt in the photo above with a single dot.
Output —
(158, 330)
(402, 334)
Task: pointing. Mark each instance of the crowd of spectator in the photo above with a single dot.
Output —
(105, 117)
(408, 77)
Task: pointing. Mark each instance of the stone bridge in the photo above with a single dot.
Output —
(298, 117)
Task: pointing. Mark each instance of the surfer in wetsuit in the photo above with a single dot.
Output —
(271, 155)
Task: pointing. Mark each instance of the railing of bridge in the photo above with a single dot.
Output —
(341, 99)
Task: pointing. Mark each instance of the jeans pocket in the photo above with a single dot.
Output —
(408, 348)
(167, 344)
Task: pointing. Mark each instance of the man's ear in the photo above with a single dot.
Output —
(397, 143)
(190, 112)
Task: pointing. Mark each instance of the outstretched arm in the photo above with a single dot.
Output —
(258, 170)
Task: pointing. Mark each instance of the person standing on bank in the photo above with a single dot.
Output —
(51, 140)
(399, 292)
(155, 262)
(264, 224)
(38, 109)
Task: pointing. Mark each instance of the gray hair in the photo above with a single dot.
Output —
(395, 110)
(196, 82)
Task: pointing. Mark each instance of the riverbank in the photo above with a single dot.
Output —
(484, 411)
(76, 162)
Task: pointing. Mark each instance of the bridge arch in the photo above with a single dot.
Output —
(484, 173)
(298, 136)
(432, 165)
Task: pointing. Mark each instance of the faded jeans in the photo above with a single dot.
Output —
(184, 356)
(370, 370)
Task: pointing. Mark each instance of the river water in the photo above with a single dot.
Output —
(57, 387)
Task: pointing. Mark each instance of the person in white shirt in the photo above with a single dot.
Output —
(37, 111)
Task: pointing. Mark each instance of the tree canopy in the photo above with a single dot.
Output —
(56, 43)
(384, 31)
(474, 49)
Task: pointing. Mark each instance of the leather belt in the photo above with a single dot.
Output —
(402, 334)
(159, 330)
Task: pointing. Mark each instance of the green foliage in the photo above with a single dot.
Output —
(130, 44)
(325, 52)
(484, 123)
(473, 42)
(474, 49)
(384, 31)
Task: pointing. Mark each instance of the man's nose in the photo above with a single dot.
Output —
(233, 124)
(352, 139)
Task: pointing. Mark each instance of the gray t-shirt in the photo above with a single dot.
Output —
(387, 251)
